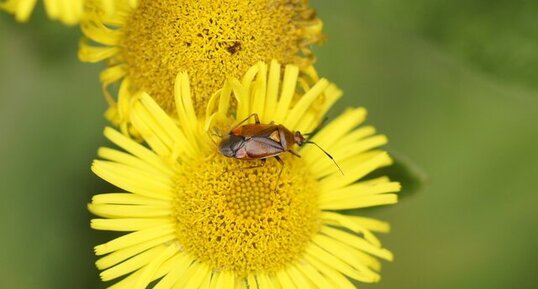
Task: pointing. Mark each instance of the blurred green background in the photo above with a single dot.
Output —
(454, 84)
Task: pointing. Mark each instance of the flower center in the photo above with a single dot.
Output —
(246, 219)
(212, 41)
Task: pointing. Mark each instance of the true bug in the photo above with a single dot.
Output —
(262, 141)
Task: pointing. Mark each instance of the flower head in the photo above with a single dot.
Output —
(211, 40)
(201, 220)
(69, 12)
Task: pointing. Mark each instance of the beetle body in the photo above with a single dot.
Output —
(259, 141)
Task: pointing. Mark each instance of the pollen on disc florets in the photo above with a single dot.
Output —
(232, 217)
(212, 41)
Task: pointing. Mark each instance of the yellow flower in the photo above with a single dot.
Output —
(201, 220)
(69, 12)
(211, 40)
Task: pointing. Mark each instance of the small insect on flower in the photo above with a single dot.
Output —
(262, 141)
(186, 225)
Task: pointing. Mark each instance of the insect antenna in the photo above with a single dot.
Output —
(317, 129)
(331, 157)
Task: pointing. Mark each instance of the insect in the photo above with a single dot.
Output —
(236, 46)
(262, 141)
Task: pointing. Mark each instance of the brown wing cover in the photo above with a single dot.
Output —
(261, 148)
(254, 130)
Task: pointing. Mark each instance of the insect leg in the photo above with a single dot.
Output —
(280, 172)
(246, 168)
(256, 119)
(211, 135)
(256, 166)
(294, 153)
(317, 129)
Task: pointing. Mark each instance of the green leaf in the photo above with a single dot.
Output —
(412, 177)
